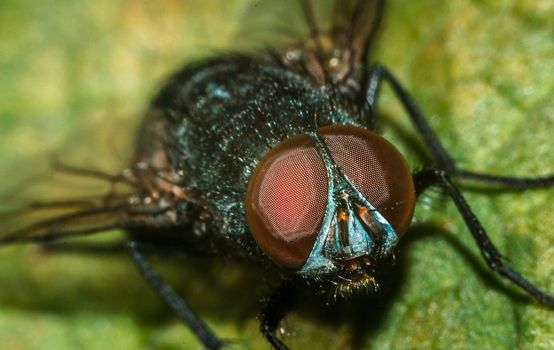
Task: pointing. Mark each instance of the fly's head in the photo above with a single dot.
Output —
(332, 205)
(358, 242)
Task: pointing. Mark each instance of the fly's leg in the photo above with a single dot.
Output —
(277, 306)
(375, 77)
(446, 167)
(437, 177)
(510, 182)
(173, 300)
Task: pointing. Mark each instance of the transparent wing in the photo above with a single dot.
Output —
(268, 23)
(327, 39)
(353, 27)
(137, 197)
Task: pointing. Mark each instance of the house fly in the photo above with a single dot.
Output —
(275, 159)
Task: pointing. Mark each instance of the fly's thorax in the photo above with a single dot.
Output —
(331, 204)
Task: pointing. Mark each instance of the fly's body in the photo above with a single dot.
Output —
(212, 125)
(218, 119)
(274, 158)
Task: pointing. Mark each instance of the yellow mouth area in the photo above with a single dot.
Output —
(351, 286)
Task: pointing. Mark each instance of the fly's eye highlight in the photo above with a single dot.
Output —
(377, 169)
(286, 200)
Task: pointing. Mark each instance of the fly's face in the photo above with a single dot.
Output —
(331, 205)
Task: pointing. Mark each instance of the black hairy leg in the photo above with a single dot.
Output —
(446, 168)
(173, 300)
(281, 301)
(437, 177)
(375, 77)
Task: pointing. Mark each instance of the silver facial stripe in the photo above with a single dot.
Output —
(328, 249)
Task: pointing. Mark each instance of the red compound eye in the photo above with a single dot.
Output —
(286, 200)
(287, 193)
(377, 169)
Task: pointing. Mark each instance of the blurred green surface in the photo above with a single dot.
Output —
(75, 77)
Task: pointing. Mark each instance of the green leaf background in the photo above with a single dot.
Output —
(76, 75)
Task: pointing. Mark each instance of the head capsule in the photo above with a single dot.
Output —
(332, 202)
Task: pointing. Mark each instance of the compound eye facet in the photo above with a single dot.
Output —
(377, 169)
(286, 200)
